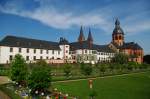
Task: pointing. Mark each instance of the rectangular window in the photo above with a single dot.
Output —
(66, 57)
(27, 50)
(46, 51)
(70, 52)
(47, 57)
(41, 51)
(11, 49)
(10, 57)
(85, 51)
(41, 57)
(34, 58)
(53, 52)
(58, 52)
(66, 51)
(27, 58)
(34, 50)
(19, 50)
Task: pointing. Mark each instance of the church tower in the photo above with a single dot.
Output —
(90, 38)
(118, 34)
(81, 36)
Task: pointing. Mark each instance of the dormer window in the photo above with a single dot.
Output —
(29, 43)
(17, 43)
(40, 45)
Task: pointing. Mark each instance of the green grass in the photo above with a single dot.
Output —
(132, 86)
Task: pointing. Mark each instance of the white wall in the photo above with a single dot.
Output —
(5, 53)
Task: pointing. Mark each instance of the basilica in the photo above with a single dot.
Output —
(82, 50)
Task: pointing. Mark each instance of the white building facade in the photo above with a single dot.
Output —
(54, 52)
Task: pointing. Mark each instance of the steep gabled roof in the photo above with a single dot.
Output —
(14, 41)
(131, 45)
(84, 45)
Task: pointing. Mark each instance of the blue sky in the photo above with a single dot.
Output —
(52, 19)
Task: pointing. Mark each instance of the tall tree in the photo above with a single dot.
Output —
(19, 71)
(120, 58)
(147, 59)
(102, 68)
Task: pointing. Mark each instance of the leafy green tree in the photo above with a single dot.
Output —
(102, 68)
(86, 69)
(82, 65)
(143, 66)
(40, 79)
(67, 70)
(134, 65)
(111, 67)
(120, 58)
(18, 70)
(131, 65)
(146, 59)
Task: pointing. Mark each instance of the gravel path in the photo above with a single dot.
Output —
(3, 80)
(3, 95)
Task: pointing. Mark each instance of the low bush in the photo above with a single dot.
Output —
(9, 92)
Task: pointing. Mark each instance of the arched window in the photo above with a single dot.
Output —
(116, 38)
(120, 37)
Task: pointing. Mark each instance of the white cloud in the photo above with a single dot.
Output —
(99, 18)
(137, 23)
(50, 16)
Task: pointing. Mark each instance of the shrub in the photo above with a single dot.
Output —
(67, 70)
(102, 68)
(86, 69)
(18, 70)
(39, 79)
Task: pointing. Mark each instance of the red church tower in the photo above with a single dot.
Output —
(132, 49)
(118, 34)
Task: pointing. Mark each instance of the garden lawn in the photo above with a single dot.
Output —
(130, 86)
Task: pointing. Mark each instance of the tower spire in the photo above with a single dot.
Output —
(117, 23)
(81, 36)
(90, 38)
